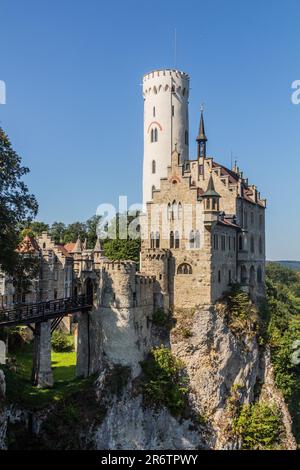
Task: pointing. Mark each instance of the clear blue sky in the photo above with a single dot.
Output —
(74, 108)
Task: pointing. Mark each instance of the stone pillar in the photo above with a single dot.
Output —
(89, 343)
(42, 375)
(83, 345)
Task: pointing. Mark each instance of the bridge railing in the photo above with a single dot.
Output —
(42, 310)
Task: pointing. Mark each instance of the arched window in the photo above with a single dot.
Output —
(157, 240)
(174, 210)
(177, 239)
(259, 275)
(153, 111)
(179, 211)
(155, 135)
(171, 239)
(219, 276)
(252, 244)
(153, 166)
(173, 89)
(192, 239)
(197, 239)
(152, 135)
(184, 268)
(169, 212)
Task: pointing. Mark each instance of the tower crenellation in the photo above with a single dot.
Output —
(166, 124)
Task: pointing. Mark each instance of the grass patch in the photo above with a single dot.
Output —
(21, 391)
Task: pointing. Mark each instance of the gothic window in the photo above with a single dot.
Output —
(184, 268)
(177, 239)
(153, 111)
(157, 239)
(155, 135)
(174, 210)
(219, 276)
(152, 135)
(173, 110)
(171, 239)
(169, 212)
(179, 211)
(173, 89)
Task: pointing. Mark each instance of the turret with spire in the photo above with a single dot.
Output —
(211, 203)
(201, 138)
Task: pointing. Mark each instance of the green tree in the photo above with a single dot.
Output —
(57, 231)
(16, 203)
(75, 230)
(91, 230)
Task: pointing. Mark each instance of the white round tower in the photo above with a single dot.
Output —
(166, 123)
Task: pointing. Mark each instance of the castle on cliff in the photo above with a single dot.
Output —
(202, 230)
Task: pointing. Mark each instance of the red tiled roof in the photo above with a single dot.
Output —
(28, 245)
(63, 250)
(69, 247)
(233, 177)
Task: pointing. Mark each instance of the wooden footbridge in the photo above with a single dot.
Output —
(42, 318)
(43, 311)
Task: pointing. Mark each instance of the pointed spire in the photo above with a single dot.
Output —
(211, 192)
(77, 248)
(98, 247)
(201, 137)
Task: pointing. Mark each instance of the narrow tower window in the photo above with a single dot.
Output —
(186, 138)
(153, 167)
(153, 111)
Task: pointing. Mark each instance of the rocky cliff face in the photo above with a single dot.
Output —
(222, 368)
